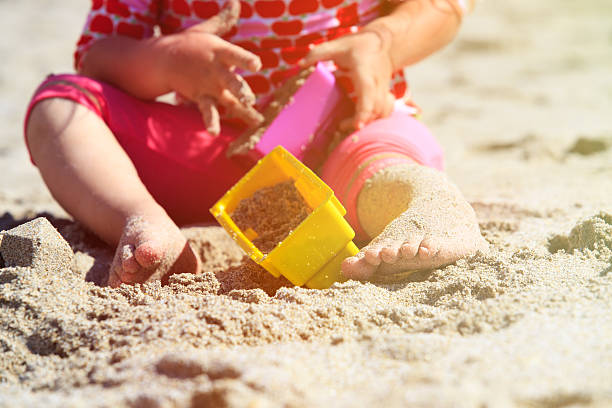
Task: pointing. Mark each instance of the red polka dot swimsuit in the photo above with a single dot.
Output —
(278, 31)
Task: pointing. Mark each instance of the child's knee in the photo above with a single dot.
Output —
(37, 123)
(48, 117)
(384, 196)
(397, 140)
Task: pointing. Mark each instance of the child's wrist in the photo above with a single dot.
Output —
(384, 35)
(163, 47)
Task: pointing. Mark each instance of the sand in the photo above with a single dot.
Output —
(521, 103)
(271, 213)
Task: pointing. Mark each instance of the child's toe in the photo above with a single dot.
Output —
(409, 249)
(389, 254)
(148, 254)
(348, 266)
(371, 255)
(357, 268)
(427, 250)
(129, 265)
(113, 279)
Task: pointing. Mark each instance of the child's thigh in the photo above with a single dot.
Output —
(398, 137)
(184, 168)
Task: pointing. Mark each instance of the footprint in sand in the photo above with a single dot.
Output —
(528, 147)
(498, 219)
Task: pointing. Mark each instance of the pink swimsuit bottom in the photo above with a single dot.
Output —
(186, 170)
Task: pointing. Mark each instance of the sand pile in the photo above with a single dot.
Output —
(522, 111)
(60, 333)
(592, 235)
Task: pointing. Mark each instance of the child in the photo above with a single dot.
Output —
(132, 169)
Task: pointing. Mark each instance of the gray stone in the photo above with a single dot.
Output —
(35, 244)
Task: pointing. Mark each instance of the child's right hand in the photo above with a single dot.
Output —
(199, 65)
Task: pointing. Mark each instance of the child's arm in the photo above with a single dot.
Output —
(195, 63)
(412, 31)
(417, 28)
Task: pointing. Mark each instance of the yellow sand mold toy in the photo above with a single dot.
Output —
(312, 253)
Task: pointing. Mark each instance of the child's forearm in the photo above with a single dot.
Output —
(132, 65)
(416, 29)
(196, 63)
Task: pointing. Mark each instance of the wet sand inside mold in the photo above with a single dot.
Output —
(272, 212)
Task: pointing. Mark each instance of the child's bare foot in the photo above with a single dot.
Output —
(93, 178)
(151, 248)
(420, 220)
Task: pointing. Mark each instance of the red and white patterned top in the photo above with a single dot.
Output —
(278, 31)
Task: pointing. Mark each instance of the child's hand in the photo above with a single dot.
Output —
(365, 57)
(199, 65)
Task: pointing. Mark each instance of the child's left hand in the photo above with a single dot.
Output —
(365, 58)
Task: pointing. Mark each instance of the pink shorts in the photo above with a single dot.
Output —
(186, 169)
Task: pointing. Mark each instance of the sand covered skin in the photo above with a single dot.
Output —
(522, 113)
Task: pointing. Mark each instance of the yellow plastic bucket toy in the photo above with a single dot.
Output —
(312, 253)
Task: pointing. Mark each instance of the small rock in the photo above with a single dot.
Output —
(587, 146)
(35, 244)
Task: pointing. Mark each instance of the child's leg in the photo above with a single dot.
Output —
(91, 176)
(436, 227)
(388, 176)
(128, 169)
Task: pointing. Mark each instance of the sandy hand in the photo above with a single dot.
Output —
(151, 249)
(200, 66)
(365, 58)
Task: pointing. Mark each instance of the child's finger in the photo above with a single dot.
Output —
(235, 56)
(389, 104)
(229, 15)
(237, 86)
(366, 100)
(210, 114)
(382, 107)
(237, 109)
(321, 52)
(347, 125)
(223, 22)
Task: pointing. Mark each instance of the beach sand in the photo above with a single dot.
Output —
(521, 102)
